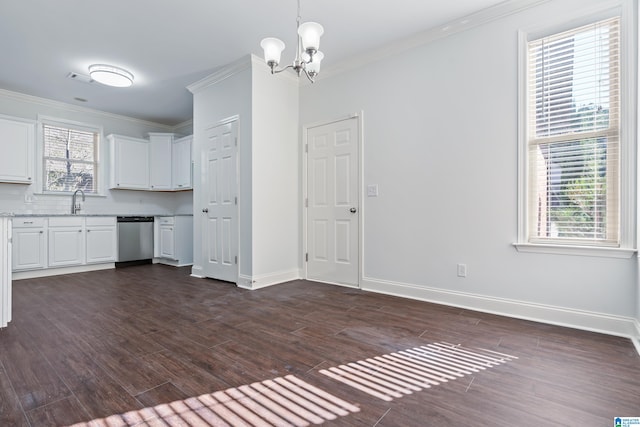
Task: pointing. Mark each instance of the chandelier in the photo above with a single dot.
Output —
(308, 57)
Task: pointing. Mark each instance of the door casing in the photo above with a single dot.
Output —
(359, 116)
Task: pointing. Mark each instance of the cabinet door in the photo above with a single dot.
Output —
(130, 163)
(17, 144)
(66, 246)
(167, 242)
(181, 163)
(160, 161)
(101, 244)
(5, 271)
(28, 251)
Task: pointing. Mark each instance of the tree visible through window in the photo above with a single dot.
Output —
(70, 160)
(573, 136)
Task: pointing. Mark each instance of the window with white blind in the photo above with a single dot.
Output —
(70, 158)
(573, 142)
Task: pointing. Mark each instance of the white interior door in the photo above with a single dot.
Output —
(333, 218)
(220, 189)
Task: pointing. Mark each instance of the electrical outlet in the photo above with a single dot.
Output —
(462, 270)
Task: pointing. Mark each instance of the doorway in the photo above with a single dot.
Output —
(220, 196)
(333, 202)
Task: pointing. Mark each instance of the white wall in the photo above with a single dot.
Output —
(12, 196)
(224, 98)
(267, 107)
(276, 184)
(440, 140)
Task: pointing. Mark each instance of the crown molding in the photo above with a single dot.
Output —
(183, 124)
(222, 73)
(22, 97)
(459, 25)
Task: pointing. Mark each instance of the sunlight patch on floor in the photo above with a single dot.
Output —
(283, 401)
(394, 375)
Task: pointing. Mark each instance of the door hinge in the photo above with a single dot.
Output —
(306, 148)
(235, 259)
(306, 202)
(236, 141)
(306, 257)
(235, 200)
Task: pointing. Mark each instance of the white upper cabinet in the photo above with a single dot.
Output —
(129, 162)
(181, 163)
(17, 144)
(160, 163)
(160, 160)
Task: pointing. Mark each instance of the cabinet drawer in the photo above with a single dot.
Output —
(165, 220)
(65, 221)
(27, 222)
(100, 220)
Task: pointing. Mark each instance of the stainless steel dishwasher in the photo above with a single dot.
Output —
(135, 240)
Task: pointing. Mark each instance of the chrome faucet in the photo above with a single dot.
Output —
(76, 207)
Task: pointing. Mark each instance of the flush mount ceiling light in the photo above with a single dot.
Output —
(308, 56)
(110, 75)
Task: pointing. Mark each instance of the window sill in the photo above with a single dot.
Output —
(66, 194)
(592, 251)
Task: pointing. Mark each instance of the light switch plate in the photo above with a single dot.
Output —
(372, 190)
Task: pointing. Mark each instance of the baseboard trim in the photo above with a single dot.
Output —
(196, 271)
(171, 262)
(32, 274)
(579, 319)
(264, 280)
(636, 339)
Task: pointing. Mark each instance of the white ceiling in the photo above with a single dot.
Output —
(169, 44)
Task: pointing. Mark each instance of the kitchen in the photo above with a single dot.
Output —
(66, 232)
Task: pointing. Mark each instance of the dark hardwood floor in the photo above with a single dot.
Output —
(89, 346)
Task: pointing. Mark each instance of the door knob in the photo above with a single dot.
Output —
(205, 210)
(353, 210)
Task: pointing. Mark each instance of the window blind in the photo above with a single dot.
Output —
(573, 136)
(70, 161)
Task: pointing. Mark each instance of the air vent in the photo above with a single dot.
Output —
(80, 77)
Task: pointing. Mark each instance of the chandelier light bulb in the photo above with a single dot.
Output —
(273, 48)
(310, 33)
(313, 67)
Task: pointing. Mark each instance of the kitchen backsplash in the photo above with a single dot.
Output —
(18, 199)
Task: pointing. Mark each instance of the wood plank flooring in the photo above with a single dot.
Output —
(87, 346)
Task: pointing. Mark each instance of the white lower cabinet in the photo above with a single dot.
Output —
(173, 239)
(101, 240)
(167, 242)
(29, 244)
(66, 241)
(5, 271)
